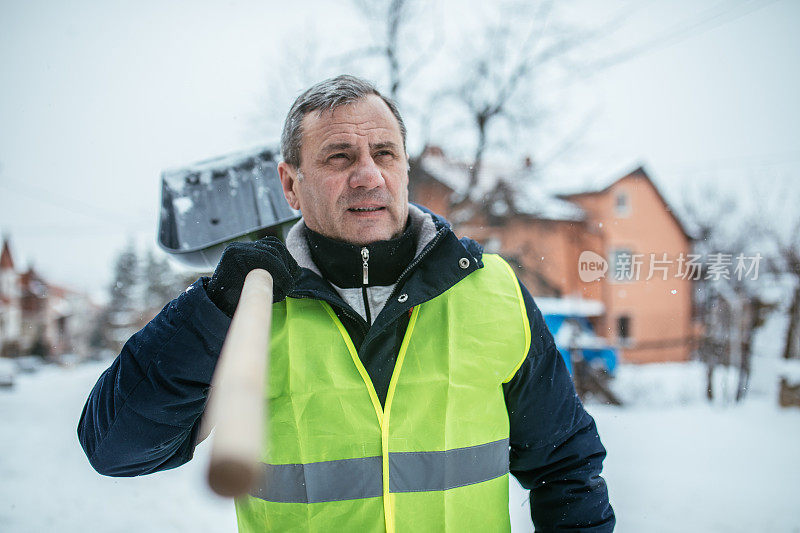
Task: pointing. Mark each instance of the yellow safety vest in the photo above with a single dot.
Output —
(434, 459)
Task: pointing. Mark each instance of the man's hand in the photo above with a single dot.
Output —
(239, 258)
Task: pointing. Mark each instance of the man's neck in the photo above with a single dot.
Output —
(348, 265)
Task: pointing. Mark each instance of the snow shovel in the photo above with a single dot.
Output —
(209, 204)
(203, 208)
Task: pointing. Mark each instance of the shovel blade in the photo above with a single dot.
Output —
(209, 204)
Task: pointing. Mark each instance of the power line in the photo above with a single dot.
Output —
(741, 162)
(71, 231)
(712, 18)
(68, 203)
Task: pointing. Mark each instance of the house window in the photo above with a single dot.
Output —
(624, 329)
(622, 204)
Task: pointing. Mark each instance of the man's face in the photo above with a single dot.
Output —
(355, 173)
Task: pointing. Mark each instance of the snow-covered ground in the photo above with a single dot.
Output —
(674, 464)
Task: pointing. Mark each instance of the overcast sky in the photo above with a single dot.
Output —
(97, 97)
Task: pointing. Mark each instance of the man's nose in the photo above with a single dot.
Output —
(367, 175)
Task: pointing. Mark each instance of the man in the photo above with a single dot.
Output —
(409, 372)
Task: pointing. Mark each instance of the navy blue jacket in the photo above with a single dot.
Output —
(143, 414)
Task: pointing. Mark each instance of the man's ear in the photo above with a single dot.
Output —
(288, 175)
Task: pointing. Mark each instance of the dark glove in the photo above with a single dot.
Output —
(239, 258)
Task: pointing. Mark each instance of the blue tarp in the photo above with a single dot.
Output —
(605, 358)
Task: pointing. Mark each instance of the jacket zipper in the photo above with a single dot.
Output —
(365, 282)
(358, 318)
(425, 251)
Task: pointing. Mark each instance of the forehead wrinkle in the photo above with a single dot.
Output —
(362, 128)
(351, 114)
(336, 140)
(331, 128)
(348, 124)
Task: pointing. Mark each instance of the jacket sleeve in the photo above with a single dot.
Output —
(556, 451)
(143, 414)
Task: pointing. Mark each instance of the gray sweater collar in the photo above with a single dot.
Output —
(421, 224)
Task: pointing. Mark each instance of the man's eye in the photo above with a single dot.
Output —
(384, 153)
(338, 156)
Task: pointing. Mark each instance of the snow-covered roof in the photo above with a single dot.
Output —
(598, 181)
(454, 174)
(589, 178)
(570, 306)
(535, 201)
(605, 180)
(529, 196)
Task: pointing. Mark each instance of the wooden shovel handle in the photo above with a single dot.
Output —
(236, 406)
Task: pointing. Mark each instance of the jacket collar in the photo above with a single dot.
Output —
(351, 266)
(441, 260)
(424, 224)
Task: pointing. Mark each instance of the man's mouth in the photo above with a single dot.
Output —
(365, 209)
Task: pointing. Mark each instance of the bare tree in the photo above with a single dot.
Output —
(780, 236)
(396, 41)
(786, 264)
(712, 346)
(501, 68)
(489, 75)
(301, 63)
(495, 71)
(729, 307)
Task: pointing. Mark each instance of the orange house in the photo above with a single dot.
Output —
(561, 245)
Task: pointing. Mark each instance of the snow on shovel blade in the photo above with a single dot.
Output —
(211, 203)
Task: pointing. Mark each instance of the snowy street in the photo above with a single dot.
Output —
(683, 466)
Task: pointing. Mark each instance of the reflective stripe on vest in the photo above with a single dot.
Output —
(434, 458)
(350, 479)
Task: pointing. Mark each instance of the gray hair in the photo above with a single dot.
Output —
(326, 96)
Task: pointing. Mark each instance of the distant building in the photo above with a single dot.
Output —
(38, 317)
(10, 309)
(645, 295)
